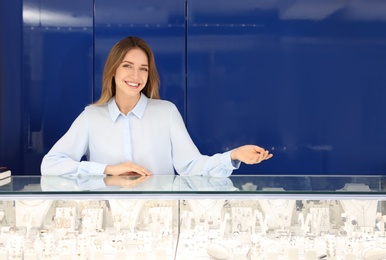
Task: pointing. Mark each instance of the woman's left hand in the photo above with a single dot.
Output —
(250, 154)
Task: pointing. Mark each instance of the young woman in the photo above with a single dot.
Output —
(130, 130)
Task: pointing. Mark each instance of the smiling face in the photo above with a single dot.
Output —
(131, 75)
(112, 71)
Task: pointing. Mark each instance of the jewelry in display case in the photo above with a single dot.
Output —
(330, 246)
(194, 227)
(263, 221)
(65, 220)
(279, 212)
(16, 247)
(320, 219)
(3, 249)
(365, 211)
(242, 219)
(125, 213)
(305, 224)
(186, 219)
(380, 222)
(92, 219)
(207, 211)
(31, 213)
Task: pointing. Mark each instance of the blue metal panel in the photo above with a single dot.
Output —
(10, 85)
(160, 23)
(305, 80)
(58, 70)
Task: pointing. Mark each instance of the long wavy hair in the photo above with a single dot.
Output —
(115, 58)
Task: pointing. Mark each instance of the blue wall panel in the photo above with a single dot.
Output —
(304, 80)
(57, 71)
(10, 84)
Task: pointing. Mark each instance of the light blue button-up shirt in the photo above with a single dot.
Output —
(152, 135)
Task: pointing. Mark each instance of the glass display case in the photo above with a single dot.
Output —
(193, 217)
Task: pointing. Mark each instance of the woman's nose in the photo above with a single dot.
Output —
(134, 73)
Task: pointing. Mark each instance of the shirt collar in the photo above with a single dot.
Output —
(138, 110)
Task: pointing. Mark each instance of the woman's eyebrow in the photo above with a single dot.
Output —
(133, 63)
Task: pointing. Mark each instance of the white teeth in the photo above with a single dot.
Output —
(133, 84)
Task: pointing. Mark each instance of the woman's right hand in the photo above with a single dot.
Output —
(126, 168)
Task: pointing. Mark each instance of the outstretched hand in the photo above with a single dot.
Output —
(250, 154)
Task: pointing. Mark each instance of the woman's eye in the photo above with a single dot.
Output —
(144, 69)
(127, 66)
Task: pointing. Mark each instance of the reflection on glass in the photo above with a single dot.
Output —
(242, 184)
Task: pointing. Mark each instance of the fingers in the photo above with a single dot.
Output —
(263, 156)
(259, 155)
(138, 169)
(265, 153)
(258, 149)
(127, 169)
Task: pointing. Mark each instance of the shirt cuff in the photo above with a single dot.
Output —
(91, 168)
(226, 160)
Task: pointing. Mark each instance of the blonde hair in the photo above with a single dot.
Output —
(115, 58)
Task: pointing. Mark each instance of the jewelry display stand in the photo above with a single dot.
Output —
(278, 211)
(125, 213)
(362, 212)
(148, 227)
(31, 213)
(207, 211)
(92, 219)
(65, 218)
(8, 214)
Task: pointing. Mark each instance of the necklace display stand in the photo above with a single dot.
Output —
(162, 228)
(279, 212)
(31, 213)
(263, 220)
(305, 223)
(186, 220)
(8, 219)
(365, 211)
(320, 220)
(380, 223)
(223, 224)
(125, 213)
(207, 211)
(242, 219)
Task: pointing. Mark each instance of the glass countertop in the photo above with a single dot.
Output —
(235, 185)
